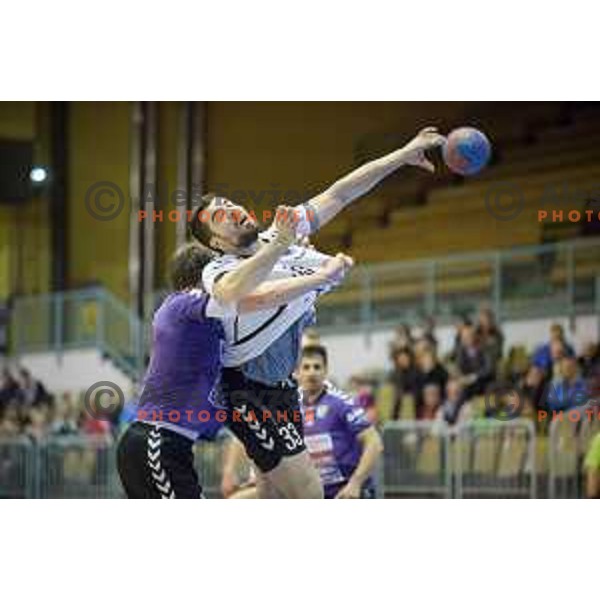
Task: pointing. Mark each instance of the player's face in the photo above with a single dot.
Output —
(312, 373)
(231, 224)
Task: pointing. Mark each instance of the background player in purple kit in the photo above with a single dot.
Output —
(154, 455)
(341, 441)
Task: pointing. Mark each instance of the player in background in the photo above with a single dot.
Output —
(341, 441)
(262, 350)
(154, 455)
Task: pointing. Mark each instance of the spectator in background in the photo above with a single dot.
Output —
(9, 389)
(589, 361)
(63, 418)
(36, 426)
(425, 333)
(558, 351)
(473, 363)
(463, 322)
(95, 428)
(429, 372)
(429, 331)
(402, 339)
(490, 336)
(432, 400)
(31, 391)
(533, 386)
(363, 391)
(569, 390)
(544, 357)
(403, 379)
(454, 410)
(10, 426)
(420, 347)
(310, 337)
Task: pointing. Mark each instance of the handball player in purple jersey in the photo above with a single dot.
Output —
(154, 455)
(342, 443)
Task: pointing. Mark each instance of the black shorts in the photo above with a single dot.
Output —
(267, 420)
(154, 462)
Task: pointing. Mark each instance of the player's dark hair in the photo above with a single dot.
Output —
(316, 350)
(187, 265)
(199, 226)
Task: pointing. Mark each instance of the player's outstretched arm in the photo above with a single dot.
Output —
(272, 294)
(252, 271)
(361, 181)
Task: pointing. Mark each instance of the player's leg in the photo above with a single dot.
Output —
(268, 422)
(131, 459)
(155, 463)
(295, 477)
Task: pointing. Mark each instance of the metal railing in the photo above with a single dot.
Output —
(523, 282)
(568, 441)
(82, 467)
(478, 459)
(533, 281)
(90, 318)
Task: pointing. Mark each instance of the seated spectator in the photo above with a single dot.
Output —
(533, 386)
(310, 337)
(490, 336)
(36, 424)
(402, 339)
(543, 355)
(403, 378)
(31, 391)
(9, 389)
(429, 371)
(363, 392)
(426, 332)
(10, 426)
(569, 390)
(63, 420)
(432, 400)
(473, 363)
(589, 361)
(454, 410)
(95, 428)
(463, 322)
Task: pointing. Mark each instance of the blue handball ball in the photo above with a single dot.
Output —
(467, 151)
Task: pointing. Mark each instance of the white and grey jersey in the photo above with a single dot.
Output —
(248, 336)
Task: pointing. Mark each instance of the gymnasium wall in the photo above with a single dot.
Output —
(258, 147)
(258, 153)
(99, 137)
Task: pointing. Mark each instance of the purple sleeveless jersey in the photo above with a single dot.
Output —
(184, 367)
(331, 426)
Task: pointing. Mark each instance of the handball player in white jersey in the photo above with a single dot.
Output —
(262, 349)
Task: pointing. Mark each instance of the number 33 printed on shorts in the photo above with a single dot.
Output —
(291, 437)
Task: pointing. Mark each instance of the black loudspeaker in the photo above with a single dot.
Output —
(16, 161)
